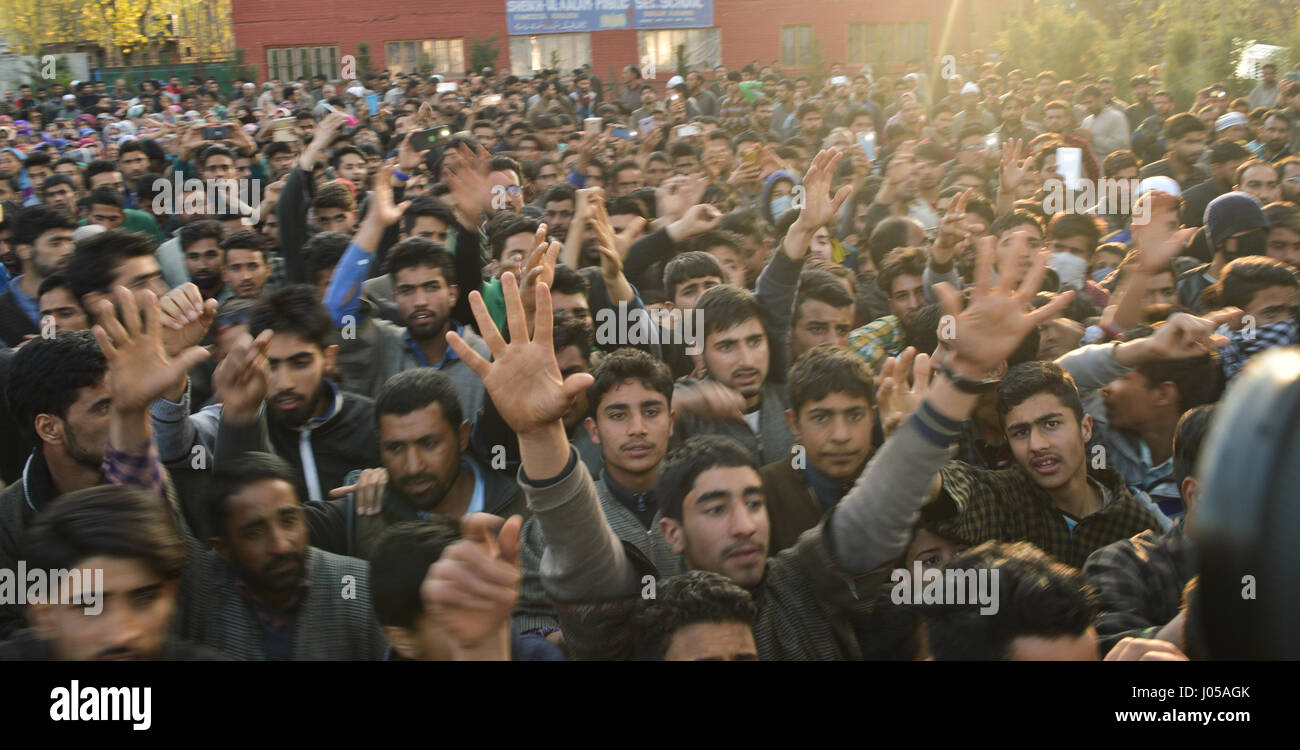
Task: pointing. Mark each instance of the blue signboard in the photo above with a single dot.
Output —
(558, 16)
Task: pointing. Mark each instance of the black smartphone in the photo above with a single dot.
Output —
(215, 133)
(424, 140)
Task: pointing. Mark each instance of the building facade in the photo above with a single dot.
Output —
(291, 38)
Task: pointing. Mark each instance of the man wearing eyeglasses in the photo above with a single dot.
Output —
(505, 181)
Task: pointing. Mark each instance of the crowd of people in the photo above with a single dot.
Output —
(352, 396)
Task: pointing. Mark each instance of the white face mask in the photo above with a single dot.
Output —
(1069, 267)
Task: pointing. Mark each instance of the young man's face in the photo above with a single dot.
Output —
(689, 291)
(906, 296)
(1162, 289)
(836, 433)
(331, 219)
(1261, 181)
(430, 228)
(203, 263)
(38, 174)
(137, 610)
(559, 215)
(713, 641)
(572, 362)
(820, 323)
(1017, 246)
(570, 306)
(1047, 440)
(632, 426)
(139, 274)
(133, 164)
(246, 271)
(724, 527)
(352, 167)
(106, 215)
(107, 179)
(1284, 245)
(1273, 304)
(421, 451)
(298, 368)
(1056, 120)
(82, 433)
(733, 264)
(424, 300)
(59, 305)
(51, 252)
(931, 550)
(738, 358)
(265, 536)
(1189, 147)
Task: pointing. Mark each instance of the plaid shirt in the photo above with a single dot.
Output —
(1007, 505)
(1140, 582)
(877, 340)
(140, 467)
(1234, 355)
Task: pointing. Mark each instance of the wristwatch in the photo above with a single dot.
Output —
(966, 385)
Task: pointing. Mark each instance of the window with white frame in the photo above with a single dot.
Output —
(558, 51)
(443, 56)
(289, 63)
(887, 43)
(701, 48)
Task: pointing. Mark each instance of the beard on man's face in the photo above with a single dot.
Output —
(424, 490)
(78, 451)
(280, 573)
(291, 409)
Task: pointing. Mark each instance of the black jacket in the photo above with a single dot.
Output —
(14, 323)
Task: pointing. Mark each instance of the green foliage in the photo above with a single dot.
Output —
(483, 53)
(62, 72)
(363, 60)
(1054, 38)
(680, 53)
(241, 67)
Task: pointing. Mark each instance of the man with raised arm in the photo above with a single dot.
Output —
(811, 593)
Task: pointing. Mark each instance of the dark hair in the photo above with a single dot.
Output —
(628, 364)
(1191, 431)
(414, 389)
(402, 557)
(275, 148)
(244, 240)
(233, 475)
(55, 180)
(680, 601)
(418, 251)
(94, 262)
(724, 307)
(1117, 160)
(34, 221)
(1246, 277)
(1014, 219)
(681, 467)
(827, 369)
(323, 251)
(903, 261)
(293, 309)
(503, 227)
(334, 195)
(98, 167)
(46, 375)
(207, 229)
(560, 192)
(1028, 379)
(54, 281)
(820, 285)
(1182, 124)
(889, 234)
(1037, 596)
(211, 150)
(106, 196)
(427, 205)
(338, 155)
(573, 332)
(1088, 226)
(569, 281)
(692, 264)
(1223, 152)
(116, 521)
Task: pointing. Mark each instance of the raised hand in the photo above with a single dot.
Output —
(819, 205)
(709, 399)
(523, 377)
(954, 233)
(243, 379)
(470, 187)
(895, 399)
(382, 208)
(678, 193)
(139, 368)
(369, 489)
(1013, 170)
(185, 317)
(472, 588)
(1180, 336)
(990, 328)
(698, 219)
(539, 269)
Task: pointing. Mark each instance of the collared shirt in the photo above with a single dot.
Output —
(306, 452)
(1007, 505)
(448, 356)
(828, 491)
(29, 305)
(643, 505)
(877, 340)
(277, 623)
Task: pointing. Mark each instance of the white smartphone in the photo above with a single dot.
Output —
(1069, 164)
(446, 86)
(593, 124)
(685, 131)
(867, 141)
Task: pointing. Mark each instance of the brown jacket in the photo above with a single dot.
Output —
(792, 508)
